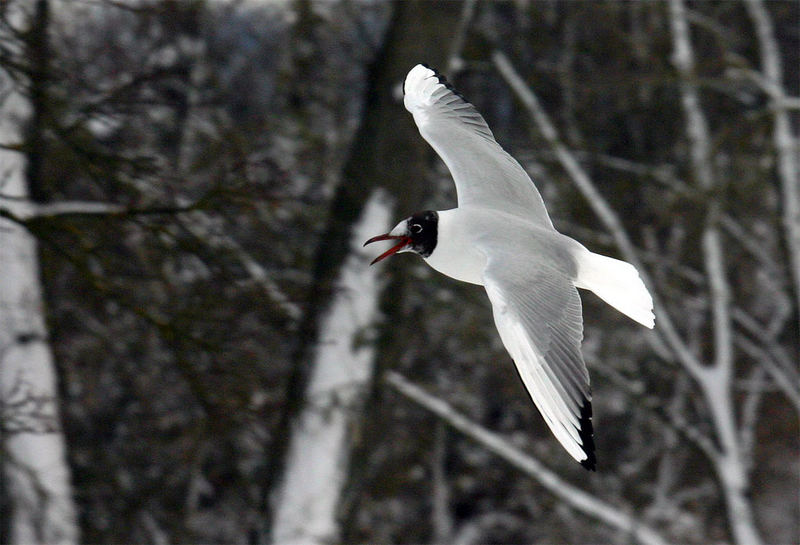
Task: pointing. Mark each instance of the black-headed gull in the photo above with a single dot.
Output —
(501, 237)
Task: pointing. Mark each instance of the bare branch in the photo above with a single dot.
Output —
(700, 154)
(606, 214)
(779, 101)
(753, 246)
(455, 62)
(22, 210)
(668, 416)
(767, 337)
(782, 370)
(764, 360)
(200, 225)
(747, 429)
(664, 174)
(720, 302)
(574, 497)
(785, 143)
(714, 381)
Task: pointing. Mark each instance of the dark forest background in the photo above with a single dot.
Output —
(217, 155)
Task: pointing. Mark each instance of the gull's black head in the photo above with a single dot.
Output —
(418, 234)
(423, 229)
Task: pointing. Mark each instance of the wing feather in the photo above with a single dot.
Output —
(485, 175)
(537, 311)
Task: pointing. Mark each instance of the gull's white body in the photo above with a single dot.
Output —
(466, 233)
(501, 237)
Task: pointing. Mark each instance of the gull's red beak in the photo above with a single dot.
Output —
(403, 242)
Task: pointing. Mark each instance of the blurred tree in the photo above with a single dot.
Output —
(200, 169)
(718, 416)
(384, 153)
(36, 500)
(137, 136)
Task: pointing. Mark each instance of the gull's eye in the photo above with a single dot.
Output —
(415, 228)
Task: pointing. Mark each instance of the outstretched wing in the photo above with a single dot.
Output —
(485, 175)
(537, 311)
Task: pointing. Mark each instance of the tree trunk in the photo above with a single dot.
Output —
(387, 151)
(37, 493)
(785, 141)
(716, 379)
(316, 464)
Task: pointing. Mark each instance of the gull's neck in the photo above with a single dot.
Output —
(455, 254)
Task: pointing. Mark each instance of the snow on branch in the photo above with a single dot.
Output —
(576, 498)
(198, 223)
(307, 503)
(22, 210)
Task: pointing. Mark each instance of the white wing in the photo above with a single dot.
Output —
(485, 175)
(537, 311)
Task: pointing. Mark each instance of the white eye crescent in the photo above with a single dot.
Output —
(415, 228)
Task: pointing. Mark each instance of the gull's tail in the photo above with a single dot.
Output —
(618, 284)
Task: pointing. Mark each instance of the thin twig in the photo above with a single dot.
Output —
(454, 61)
(747, 428)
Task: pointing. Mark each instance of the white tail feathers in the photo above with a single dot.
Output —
(618, 284)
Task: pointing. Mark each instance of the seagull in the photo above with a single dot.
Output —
(501, 237)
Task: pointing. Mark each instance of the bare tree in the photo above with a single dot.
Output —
(715, 379)
(36, 474)
(771, 80)
(317, 460)
(720, 423)
(197, 177)
(323, 393)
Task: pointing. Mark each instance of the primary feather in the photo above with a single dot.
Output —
(485, 175)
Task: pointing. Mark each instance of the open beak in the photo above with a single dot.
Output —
(403, 242)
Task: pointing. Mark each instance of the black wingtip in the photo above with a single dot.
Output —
(444, 81)
(586, 433)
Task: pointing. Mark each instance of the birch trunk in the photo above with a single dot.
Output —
(785, 141)
(306, 511)
(386, 152)
(35, 470)
(715, 380)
